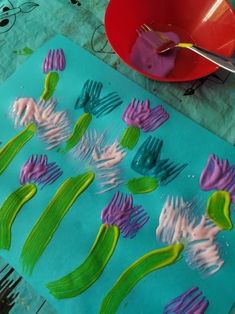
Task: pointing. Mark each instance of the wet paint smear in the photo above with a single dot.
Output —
(48, 223)
(10, 150)
(26, 51)
(10, 209)
(119, 216)
(134, 273)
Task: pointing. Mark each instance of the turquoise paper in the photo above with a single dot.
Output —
(184, 141)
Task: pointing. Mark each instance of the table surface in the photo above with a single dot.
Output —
(211, 105)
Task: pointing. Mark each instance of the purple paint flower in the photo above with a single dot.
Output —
(192, 301)
(38, 170)
(218, 175)
(139, 114)
(121, 212)
(55, 60)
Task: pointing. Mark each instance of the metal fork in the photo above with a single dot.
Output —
(160, 38)
(162, 43)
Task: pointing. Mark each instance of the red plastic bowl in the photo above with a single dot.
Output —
(206, 23)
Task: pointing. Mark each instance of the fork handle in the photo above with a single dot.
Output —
(222, 61)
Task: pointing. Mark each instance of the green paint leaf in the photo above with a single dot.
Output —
(142, 185)
(134, 273)
(11, 149)
(90, 270)
(130, 137)
(48, 223)
(80, 128)
(218, 209)
(10, 209)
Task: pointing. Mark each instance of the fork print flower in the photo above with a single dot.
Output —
(218, 175)
(178, 223)
(154, 170)
(93, 152)
(93, 105)
(139, 116)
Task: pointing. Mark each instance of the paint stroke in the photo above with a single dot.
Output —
(48, 223)
(138, 270)
(10, 209)
(12, 148)
(119, 216)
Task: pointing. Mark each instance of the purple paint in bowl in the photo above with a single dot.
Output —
(145, 58)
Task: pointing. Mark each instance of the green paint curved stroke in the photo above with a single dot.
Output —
(90, 270)
(10, 150)
(10, 209)
(134, 273)
(46, 226)
(80, 128)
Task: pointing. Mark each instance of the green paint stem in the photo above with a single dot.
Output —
(10, 150)
(51, 81)
(130, 137)
(48, 223)
(79, 129)
(142, 185)
(134, 273)
(10, 209)
(218, 209)
(90, 270)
